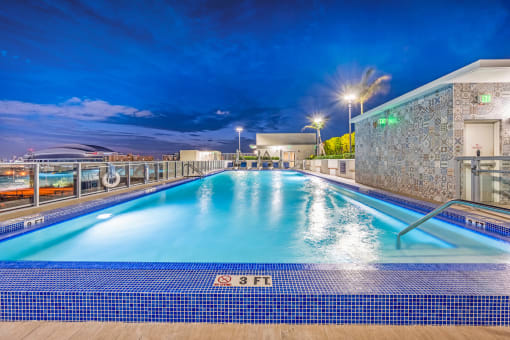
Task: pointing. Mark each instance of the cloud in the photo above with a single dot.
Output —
(75, 108)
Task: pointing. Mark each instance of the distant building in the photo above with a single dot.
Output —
(289, 147)
(82, 153)
(197, 155)
(128, 158)
(172, 157)
(71, 153)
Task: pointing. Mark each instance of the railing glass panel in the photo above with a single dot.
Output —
(137, 173)
(16, 186)
(56, 181)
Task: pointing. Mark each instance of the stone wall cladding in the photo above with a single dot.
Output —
(412, 153)
(466, 107)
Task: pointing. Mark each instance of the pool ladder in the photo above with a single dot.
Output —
(441, 208)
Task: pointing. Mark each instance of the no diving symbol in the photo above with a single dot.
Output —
(224, 279)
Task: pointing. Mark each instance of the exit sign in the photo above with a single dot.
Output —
(484, 98)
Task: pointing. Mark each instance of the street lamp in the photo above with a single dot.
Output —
(239, 130)
(349, 99)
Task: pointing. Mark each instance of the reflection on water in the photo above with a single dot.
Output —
(336, 230)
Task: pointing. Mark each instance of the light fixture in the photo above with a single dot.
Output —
(239, 129)
(349, 97)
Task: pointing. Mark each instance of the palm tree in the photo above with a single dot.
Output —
(366, 89)
(316, 123)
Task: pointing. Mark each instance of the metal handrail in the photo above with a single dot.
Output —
(440, 209)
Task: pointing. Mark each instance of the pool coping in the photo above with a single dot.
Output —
(393, 293)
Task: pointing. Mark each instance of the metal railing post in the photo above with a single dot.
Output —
(36, 185)
(78, 180)
(128, 175)
(475, 180)
(156, 168)
(458, 176)
(145, 173)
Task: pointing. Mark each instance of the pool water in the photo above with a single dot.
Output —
(254, 216)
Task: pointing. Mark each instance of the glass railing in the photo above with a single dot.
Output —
(31, 184)
(483, 179)
(57, 181)
(16, 185)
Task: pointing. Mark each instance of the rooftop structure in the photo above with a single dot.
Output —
(71, 152)
(481, 71)
(289, 147)
(412, 144)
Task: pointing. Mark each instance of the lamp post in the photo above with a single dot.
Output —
(239, 130)
(349, 98)
(318, 122)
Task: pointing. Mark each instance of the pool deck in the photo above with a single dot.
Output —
(100, 330)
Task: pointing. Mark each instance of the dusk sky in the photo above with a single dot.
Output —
(154, 77)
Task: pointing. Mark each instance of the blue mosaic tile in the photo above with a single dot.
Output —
(426, 294)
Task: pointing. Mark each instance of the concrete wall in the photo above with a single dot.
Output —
(336, 167)
(411, 148)
(302, 151)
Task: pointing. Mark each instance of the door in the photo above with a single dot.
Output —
(483, 137)
(289, 156)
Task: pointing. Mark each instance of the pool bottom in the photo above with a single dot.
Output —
(396, 294)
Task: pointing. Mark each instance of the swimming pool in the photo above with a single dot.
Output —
(254, 216)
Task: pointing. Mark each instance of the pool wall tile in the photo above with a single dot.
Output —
(393, 294)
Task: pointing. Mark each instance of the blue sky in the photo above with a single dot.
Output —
(158, 76)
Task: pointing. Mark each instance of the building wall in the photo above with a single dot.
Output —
(466, 107)
(302, 151)
(411, 149)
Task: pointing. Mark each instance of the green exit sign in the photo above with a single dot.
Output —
(484, 98)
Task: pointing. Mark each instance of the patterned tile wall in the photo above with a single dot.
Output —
(411, 148)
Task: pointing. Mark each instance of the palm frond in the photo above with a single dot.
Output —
(309, 127)
(374, 88)
(369, 72)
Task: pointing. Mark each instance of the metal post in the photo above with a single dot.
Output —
(350, 146)
(145, 173)
(128, 175)
(458, 176)
(156, 168)
(239, 132)
(36, 185)
(78, 180)
(475, 180)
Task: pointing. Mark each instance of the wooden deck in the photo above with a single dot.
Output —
(99, 330)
